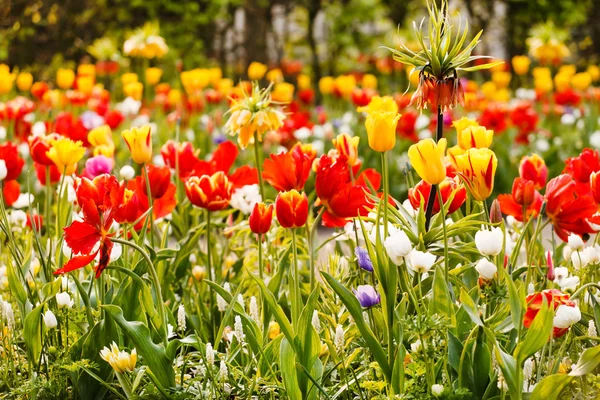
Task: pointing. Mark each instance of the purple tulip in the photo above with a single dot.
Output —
(98, 165)
(364, 261)
(367, 296)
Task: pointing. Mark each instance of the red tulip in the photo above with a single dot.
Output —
(582, 166)
(260, 218)
(9, 153)
(448, 187)
(211, 192)
(181, 155)
(554, 298)
(292, 209)
(287, 171)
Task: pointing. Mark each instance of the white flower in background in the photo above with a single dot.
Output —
(18, 219)
(420, 261)
(591, 256)
(302, 133)
(3, 170)
(486, 269)
(221, 303)
(129, 107)
(238, 329)
(245, 198)
(416, 346)
(352, 229)
(569, 283)
(2, 133)
(240, 300)
(316, 323)
(181, 317)
(567, 119)
(566, 316)
(170, 331)
(127, 172)
(223, 372)
(592, 331)
(566, 252)
(489, 243)
(7, 314)
(254, 314)
(64, 283)
(595, 139)
(575, 242)
(437, 390)
(530, 288)
(210, 354)
(397, 246)
(24, 200)
(409, 208)
(373, 234)
(198, 272)
(50, 320)
(38, 129)
(116, 252)
(63, 299)
(560, 273)
(578, 260)
(339, 341)
(422, 122)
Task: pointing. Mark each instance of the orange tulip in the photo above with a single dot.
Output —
(292, 209)
(211, 192)
(260, 218)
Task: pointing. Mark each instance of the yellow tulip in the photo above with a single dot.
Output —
(501, 78)
(581, 81)
(214, 76)
(326, 85)
(478, 168)
(85, 84)
(369, 81)
(275, 75)
(86, 70)
(6, 82)
(303, 81)
(139, 141)
(475, 137)
(381, 121)
(562, 81)
(101, 139)
(463, 123)
(256, 71)
(24, 81)
(567, 69)
(174, 97)
(489, 90)
(134, 90)
(153, 75)
(454, 152)
(65, 78)
(224, 86)
(128, 77)
(427, 158)
(521, 64)
(65, 153)
(283, 92)
(594, 72)
(120, 361)
(4, 69)
(345, 84)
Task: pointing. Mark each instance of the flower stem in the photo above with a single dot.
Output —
(209, 263)
(439, 134)
(260, 255)
(311, 236)
(295, 287)
(125, 385)
(446, 261)
(258, 166)
(150, 203)
(384, 171)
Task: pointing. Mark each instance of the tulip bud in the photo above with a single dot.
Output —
(260, 218)
(495, 212)
(50, 320)
(523, 191)
(550, 273)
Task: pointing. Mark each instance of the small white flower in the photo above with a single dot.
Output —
(238, 329)
(373, 234)
(560, 273)
(24, 200)
(420, 261)
(569, 283)
(254, 314)
(575, 242)
(38, 129)
(578, 260)
(592, 331)
(339, 338)
(528, 369)
(64, 300)
(245, 198)
(486, 269)
(416, 346)
(3, 170)
(591, 256)
(127, 172)
(181, 317)
(437, 390)
(18, 219)
(50, 320)
(489, 243)
(567, 119)
(566, 316)
(223, 372)
(397, 246)
(316, 323)
(210, 354)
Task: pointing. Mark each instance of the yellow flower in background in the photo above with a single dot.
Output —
(120, 361)
(153, 75)
(54, 97)
(521, 64)
(6, 83)
(478, 168)
(501, 79)
(381, 121)
(214, 76)
(128, 77)
(24, 81)
(195, 80)
(347, 146)
(475, 137)
(135, 90)
(502, 95)
(488, 89)
(283, 92)
(326, 84)
(303, 81)
(224, 86)
(581, 81)
(594, 72)
(345, 85)
(85, 84)
(256, 71)
(369, 81)
(65, 78)
(139, 141)
(562, 81)
(427, 158)
(86, 70)
(413, 77)
(65, 153)
(102, 141)
(274, 330)
(568, 70)
(463, 123)
(275, 75)
(542, 79)
(4, 69)
(174, 97)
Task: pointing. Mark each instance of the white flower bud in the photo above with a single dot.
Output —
(420, 262)
(566, 316)
(437, 390)
(127, 172)
(64, 300)
(489, 243)
(486, 269)
(50, 320)
(575, 242)
(397, 246)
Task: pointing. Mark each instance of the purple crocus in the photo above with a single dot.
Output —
(364, 261)
(367, 296)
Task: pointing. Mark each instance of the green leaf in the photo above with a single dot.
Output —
(508, 366)
(308, 344)
(469, 306)
(588, 360)
(551, 387)
(442, 304)
(280, 317)
(15, 284)
(353, 306)
(32, 333)
(537, 334)
(287, 364)
(154, 355)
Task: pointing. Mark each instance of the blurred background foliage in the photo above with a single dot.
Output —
(327, 36)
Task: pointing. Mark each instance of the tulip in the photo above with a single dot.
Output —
(397, 246)
(420, 261)
(595, 185)
(260, 218)
(256, 71)
(427, 158)
(343, 85)
(102, 141)
(86, 70)
(303, 82)
(283, 92)
(381, 121)
(369, 81)
(464, 123)
(275, 75)
(347, 146)
(475, 137)
(64, 300)
(65, 154)
(85, 85)
(496, 212)
(291, 208)
(135, 90)
(489, 243)
(478, 167)
(128, 77)
(437, 390)
(581, 81)
(486, 269)
(555, 298)
(363, 259)
(367, 296)
(448, 187)
(198, 272)
(153, 75)
(139, 141)
(566, 316)
(575, 242)
(520, 64)
(24, 81)
(65, 78)
(211, 192)
(326, 85)
(50, 320)
(120, 361)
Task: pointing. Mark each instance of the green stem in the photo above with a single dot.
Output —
(125, 385)
(258, 166)
(311, 240)
(384, 171)
(260, 255)
(150, 203)
(446, 261)
(295, 287)
(209, 265)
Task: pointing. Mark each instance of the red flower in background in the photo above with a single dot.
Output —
(362, 97)
(581, 167)
(40, 171)
(448, 187)
(99, 200)
(406, 126)
(188, 157)
(39, 147)
(524, 196)
(113, 118)
(68, 126)
(525, 118)
(533, 168)
(9, 153)
(11, 191)
(287, 171)
(494, 118)
(567, 97)
(34, 220)
(570, 207)
(161, 189)
(554, 298)
(306, 96)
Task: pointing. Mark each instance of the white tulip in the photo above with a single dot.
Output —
(578, 260)
(566, 252)
(569, 284)
(373, 234)
(489, 243)
(397, 246)
(566, 316)
(591, 256)
(575, 242)
(560, 273)
(64, 300)
(420, 261)
(127, 172)
(50, 320)
(486, 269)
(437, 390)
